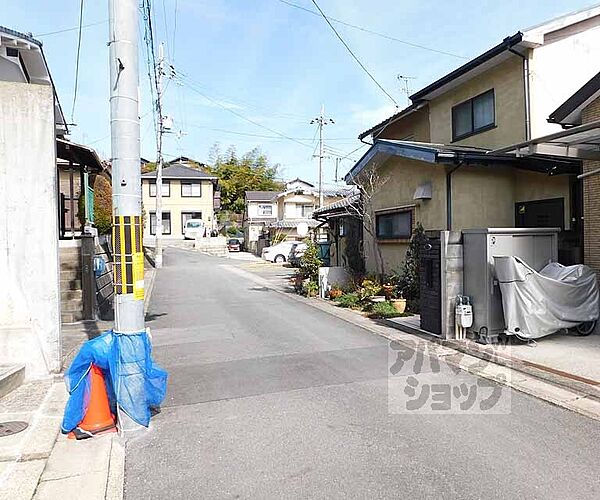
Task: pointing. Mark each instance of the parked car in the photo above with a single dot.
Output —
(233, 245)
(296, 252)
(278, 253)
(193, 228)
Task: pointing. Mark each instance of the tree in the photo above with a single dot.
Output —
(251, 172)
(409, 281)
(102, 205)
(368, 183)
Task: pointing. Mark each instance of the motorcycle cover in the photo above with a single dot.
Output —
(537, 304)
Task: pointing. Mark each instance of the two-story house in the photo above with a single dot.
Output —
(437, 160)
(187, 193)
(260, 211)
(296, 205)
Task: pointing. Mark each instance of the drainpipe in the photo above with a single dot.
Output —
(449, 194)
(525, 58)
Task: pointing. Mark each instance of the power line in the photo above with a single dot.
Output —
(236, 101)
(241, 116)
(262, 136)
(174, 33)
(77, 61)
(352, 53)
(66, 30)
(371, 32)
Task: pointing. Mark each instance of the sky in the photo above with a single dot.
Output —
(254, 73)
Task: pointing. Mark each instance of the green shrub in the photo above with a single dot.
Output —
(348, 300)
(310, 288)
(383, 310)
(310, 262)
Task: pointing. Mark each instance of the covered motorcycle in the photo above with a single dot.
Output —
(537, 304)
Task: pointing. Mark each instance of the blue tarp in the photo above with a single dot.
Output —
(133, 381)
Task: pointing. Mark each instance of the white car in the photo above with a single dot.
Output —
(193, 228)
(278, 253)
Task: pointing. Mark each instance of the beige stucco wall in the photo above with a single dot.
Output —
(399, 179)
(481, 197)
(176, 204)
(414, 127)
(507, 81)
(486, 196)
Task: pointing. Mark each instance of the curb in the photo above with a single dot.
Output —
(567, 398)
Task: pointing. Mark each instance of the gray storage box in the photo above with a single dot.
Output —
(536, 246)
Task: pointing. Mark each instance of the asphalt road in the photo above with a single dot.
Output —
(271, 398)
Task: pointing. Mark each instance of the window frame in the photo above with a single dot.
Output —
(394, 237)
(305, 205)
(166, 182)
(191, 183)
(153, 229)
(473, 130)
(189, 212)
(261, 206)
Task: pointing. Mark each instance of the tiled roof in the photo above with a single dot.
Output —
(179, 172)
(291, 223)
(261, 195)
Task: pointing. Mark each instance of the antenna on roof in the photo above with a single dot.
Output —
(405, 81)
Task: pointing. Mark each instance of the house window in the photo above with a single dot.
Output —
(307, 210)
(393, 226)
(191, 189)
(166, 220)
(166, 188)
(265, 210)
(473, 116)
(185, 216)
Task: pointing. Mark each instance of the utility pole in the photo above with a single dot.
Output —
(125, 152)
(321, 121)
(158, 259)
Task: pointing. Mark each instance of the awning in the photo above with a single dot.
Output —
(80, 155)
(443, 154)
(580, 143)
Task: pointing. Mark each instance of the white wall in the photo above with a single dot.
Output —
(558, 69)
(253, 210)
(29, 266)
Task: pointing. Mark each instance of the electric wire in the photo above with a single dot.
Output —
(77, 61)
(372, 32)
(353, 54)
(240, 115)
(66, 30)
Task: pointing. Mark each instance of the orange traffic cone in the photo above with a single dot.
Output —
(98, 418)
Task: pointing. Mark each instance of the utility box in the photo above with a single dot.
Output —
(536, 246)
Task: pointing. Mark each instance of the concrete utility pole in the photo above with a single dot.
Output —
(158, 260)
(126, 180)
(321, 121)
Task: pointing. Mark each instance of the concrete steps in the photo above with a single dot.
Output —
(71, 294)
(11, 377)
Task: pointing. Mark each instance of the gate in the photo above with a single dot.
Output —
(431, 284)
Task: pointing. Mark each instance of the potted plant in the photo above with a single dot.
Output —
(399, 302)
(388, 290)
